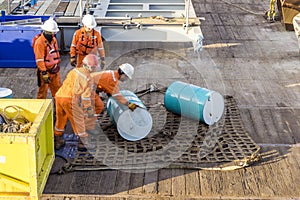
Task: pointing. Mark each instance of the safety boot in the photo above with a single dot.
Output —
(84, 143)
(59, 142)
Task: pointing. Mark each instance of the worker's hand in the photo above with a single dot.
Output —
(102, 63)
(73, 61)
(90, 112)
(132, 106)
(45, 77)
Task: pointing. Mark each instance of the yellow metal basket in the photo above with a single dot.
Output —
(26, 158)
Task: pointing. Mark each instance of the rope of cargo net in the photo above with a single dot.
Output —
(233, 147)
(14, 124)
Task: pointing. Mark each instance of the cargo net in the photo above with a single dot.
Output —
(174, 142)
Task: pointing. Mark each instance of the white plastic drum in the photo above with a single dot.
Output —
(134, 125)
(5, 93)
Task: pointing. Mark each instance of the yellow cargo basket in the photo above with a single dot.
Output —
(26, 158)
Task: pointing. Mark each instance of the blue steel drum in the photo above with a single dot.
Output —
(131, 125)
(5, 93)
(194, 102)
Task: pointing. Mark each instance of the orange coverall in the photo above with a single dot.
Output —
(46, 57)
(71, 99)
(84, 43)
(108, 82)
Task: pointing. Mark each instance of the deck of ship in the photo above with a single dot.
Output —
(244, 56)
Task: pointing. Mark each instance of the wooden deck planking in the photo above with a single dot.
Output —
(231, 184)
(273, 182)
(107, 183)
(270, 125)
(59, 183)
(77, 11)
(165, 182)
(61, 8)
(43, 8)
(136, 183)
(150, 182)
(122, 183)
(209, 183)
(192, 183)
(178, 182)
(248, 179)
(71, 8)
(52, 7)
(94, 178)
(291, 126)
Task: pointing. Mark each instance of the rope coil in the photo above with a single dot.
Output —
(14, 124)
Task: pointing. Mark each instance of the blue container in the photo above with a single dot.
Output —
(5, 93)
(194, 102)
(15, 46)
(131, 125)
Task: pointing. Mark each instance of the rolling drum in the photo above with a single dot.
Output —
(194, 102)
(131, 125)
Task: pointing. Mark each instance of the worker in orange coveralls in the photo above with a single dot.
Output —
(73, 102)
(47, 59)
(108, 82)
(86, 40)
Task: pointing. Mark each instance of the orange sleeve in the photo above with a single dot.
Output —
(118, 96)
(83, 86)
(109, 83)
(100, 47)
(39, 53)
(56, 47)
(74, 43)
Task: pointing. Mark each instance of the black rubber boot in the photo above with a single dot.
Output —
(59, 142)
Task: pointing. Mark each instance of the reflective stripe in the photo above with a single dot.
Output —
(73, 45)
(86, 99)
(81, 74)
(39, 60)
(113, 75)
(100, 48)
(59, 130)
(117, 94)
(84, 134)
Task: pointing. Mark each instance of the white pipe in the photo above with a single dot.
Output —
(80, 10)
(187, 8)
(8, 6)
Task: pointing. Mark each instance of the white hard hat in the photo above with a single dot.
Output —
(127, 69)
(90, 62)
(50, 25)
(89, 21)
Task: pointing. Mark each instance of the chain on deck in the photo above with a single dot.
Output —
(174, 142)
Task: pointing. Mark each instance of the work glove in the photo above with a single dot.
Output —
(73, 61)
(132, 106)
(90, 112)
(45, 77)
(102, 62)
